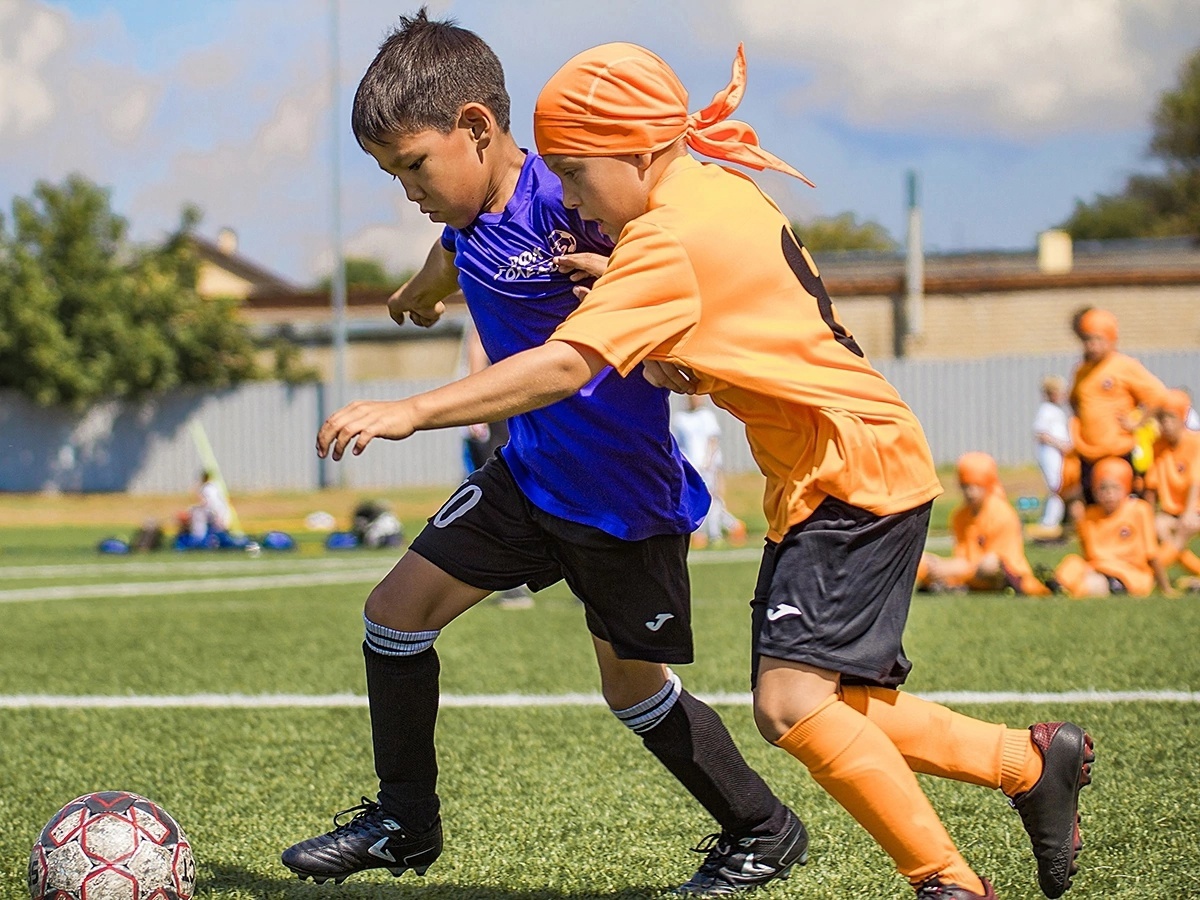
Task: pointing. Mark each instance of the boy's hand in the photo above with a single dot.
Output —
(360, 422)
(419, 309)
(675, 378)
(579, 266)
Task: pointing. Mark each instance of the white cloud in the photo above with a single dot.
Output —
(30, 35)
(399, 246)
(1017, 68)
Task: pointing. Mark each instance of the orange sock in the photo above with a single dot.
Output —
(935, 740)
(1189, 561)
(853, 760)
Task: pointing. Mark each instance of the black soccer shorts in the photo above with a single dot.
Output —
(636, 594)
(835, 593)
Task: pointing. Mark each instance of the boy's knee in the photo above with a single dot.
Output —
(776, 715)
(399, 609)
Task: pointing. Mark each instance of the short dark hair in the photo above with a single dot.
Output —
(424, 73)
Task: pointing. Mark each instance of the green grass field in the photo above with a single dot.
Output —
(544, 801)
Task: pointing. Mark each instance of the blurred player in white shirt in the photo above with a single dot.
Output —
(699, 435)
(1053, 440)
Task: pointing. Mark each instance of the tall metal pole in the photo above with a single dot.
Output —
(914, 263)
(338, 281)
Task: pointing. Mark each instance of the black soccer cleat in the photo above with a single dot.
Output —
(935, 889)
(734, 864)
(371, 839)
(1050, 809)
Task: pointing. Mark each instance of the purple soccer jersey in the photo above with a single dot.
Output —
(604, 457)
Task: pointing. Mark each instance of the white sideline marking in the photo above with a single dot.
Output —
(324, 573)
(495, 701)
(193, 586)
(239, 562)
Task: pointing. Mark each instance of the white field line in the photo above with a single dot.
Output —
(239, 563)
(332, 572)
(494, 701)
(190, 586)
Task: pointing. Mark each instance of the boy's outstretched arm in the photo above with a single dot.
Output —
(420, 298)
(525, 381)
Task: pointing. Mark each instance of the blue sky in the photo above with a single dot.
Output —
(1009, 111)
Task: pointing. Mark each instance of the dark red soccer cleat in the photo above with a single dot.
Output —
(1050, 809)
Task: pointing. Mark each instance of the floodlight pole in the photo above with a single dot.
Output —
(338, 281)
(914, 263)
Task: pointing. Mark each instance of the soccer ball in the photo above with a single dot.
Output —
(112, 845)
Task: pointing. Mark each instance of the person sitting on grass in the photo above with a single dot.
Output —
(1120, 546)
(709, 290)
(1174, 481)
(989, 553)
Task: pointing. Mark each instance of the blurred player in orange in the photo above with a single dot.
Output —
(710, 288)
(1111, 394)
(989, 552)
(1174, 481)
(1120, 549)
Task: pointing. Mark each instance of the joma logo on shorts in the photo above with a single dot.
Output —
(659, 621)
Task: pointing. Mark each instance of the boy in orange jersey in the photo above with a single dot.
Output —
(1110, 395)
(709, 287)
(1174, 481)
(1120, 549)
(989, 552)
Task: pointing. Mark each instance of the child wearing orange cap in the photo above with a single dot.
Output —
(1111, 394)
(1120, 549)
(710, 289)
(1174, 481)
(989, 552)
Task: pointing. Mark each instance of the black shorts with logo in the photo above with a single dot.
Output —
(835, 593)
(636, 594)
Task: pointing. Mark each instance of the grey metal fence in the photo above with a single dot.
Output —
(263, 434)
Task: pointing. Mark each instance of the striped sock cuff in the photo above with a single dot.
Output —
(645, 715)
(390, 642)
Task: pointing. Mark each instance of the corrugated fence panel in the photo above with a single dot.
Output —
(426, 458)
(263, 434)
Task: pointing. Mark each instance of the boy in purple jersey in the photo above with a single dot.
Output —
(592, 489)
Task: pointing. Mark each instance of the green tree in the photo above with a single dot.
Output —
(86, 316)
(1156, 205)
(362, 271)
(843, 232)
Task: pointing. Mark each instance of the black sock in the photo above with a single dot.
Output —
(693, 743)
(403, 695)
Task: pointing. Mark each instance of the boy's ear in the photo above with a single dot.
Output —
(477, 119)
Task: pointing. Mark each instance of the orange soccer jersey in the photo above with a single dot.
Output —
(711, 277)
(1174, 472)
(1122, 544)
(1102, 394)
(996, 528)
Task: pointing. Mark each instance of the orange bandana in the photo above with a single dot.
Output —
(1113, 468)
(1101, 322)
(621, 99)
(980, 468)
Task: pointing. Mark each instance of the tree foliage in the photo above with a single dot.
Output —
(366, 272)
(86, 316)
(843, 232)
(1156, 205)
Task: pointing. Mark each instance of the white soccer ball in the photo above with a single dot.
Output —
(112, 845)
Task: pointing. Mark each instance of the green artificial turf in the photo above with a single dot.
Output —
(561, 802)
(556, 802)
